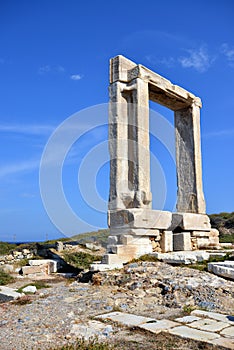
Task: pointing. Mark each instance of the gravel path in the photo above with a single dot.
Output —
(57, 314)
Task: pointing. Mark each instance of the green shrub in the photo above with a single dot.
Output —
(146, 257)
(5, 278)
(80, 260)
(6, 248)
(38, 285)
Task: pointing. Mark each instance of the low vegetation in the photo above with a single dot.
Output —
(80, 260)
(6, 248)
(145, 257)
(5, 278)
(224, 222)
(37, 284)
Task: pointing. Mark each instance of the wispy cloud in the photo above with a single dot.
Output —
(51, 69)
(34, 129)
(76, 77)
(14, 168)
(219, 133)
(2, 61)
(229, 53)
(166, 61)
(199, 59)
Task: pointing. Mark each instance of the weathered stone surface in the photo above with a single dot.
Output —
(130, 198)
(228, 332)
(126, 319)
(191, 221)
(52, 265)
(187, 319)
(98, 266)
(187, 332)
(183, 257)
(29, 289)
(225, 269)
(210, 325)
(214, 315)
(140, 218)
(158, 326)
(7, 294)
(119, 231)
(182, 241)
(167, 241)
(224, 342)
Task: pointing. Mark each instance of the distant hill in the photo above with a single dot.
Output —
(224, 222)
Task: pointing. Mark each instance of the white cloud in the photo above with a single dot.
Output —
(219, 133)
(76, 77)
(44, 69)
(229, 53)
(51, 69)
(199, 59)
(34, 129)
(18, 167)
(166, 61)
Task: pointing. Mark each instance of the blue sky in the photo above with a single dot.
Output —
(54, 63)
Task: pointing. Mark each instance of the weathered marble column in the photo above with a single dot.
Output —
(143, 196)
(190, 197)
(118, 147)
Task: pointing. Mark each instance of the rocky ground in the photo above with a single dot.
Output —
(59, 314)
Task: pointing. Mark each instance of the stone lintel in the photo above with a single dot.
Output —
(173, 97)
(191, 222)
(140, 219)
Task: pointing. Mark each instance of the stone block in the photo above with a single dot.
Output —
(225, 343)
(191, 333)
(190, 222)
(140, 218)
(29, 270)
(214, 232)
(129, 320)
(158, 326)
(224, 269)
(183, 257)
(228, 332)
(182, 241)
(135, 231)
(187, 319)
(7, 294)
(138, 240)
(111, 259)
(167, 241)
(214, 315)
(98, 266)
(52, 265)
(203, 234)
(210, 325)
(112, 240)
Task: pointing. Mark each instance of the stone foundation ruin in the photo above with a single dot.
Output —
(136, 229)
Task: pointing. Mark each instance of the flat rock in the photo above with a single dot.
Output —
(126, 319)
(228, 332)
(7, 294)
(224, 269)
(187, 319)
(214, 315)
(158, 326)
(191, 333)
(225, 342)
(207, 324)
(183, 257)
